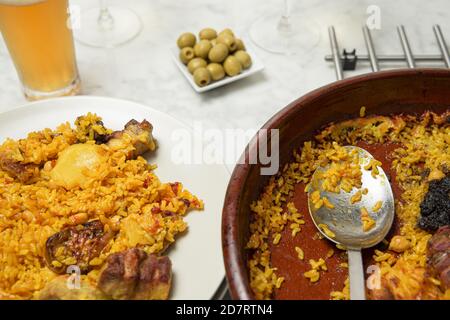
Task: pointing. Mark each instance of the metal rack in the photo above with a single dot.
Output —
(348, 60)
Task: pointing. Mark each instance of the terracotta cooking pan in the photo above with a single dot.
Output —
(384, 93)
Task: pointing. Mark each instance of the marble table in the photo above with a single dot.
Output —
(143, 71)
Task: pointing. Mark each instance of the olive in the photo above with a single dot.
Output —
(218, 53)
(216, 71)
(240, 45)
(195, 64)
(228, 40)
(187, 39)
(201, 49)
(207, 33)
(202, 77)
(213, 42)
(226, 31)
(244, 58)
(186, 54)
(232, 66)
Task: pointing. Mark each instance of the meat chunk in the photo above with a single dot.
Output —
(393, 286)
(439, 256)
(135, 275)
(139, 134)
(23, 172)
(381, 293)
(155, 277)
(59, 289)
(121, 274)
(76, 245)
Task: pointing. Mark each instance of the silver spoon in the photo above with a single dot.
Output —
(344, 220)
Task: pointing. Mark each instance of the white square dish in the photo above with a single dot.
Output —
(256, 66)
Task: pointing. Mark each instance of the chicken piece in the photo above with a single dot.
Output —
(135, 275)
(60, 289)
(393, 284)
(439, 256)
(139, 134)
(410, 291)
(75, 163)
(76, 245)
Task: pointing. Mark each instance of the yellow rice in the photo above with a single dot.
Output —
(426, 148)
(125, 195)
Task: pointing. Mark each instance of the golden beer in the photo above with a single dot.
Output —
(39, 39)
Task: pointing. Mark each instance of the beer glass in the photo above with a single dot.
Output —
(39, 39)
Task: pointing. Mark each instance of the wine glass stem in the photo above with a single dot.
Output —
(284, 25)
(105, 19)
(287, 9)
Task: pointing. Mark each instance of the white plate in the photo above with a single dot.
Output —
(256, 66)
(196, 256)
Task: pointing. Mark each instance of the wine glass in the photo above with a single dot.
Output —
(107, 26)
(286, 34)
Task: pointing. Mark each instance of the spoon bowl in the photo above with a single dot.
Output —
(343, 218)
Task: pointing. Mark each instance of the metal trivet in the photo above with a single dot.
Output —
(349, 59)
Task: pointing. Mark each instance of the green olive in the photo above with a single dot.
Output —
(195, 64)
(202, 77)
(216, 71)
(244, 58)
(186, 54)
(232, 66)
(187, 39)
(207, 33)
(226, 31)
(218, 53)
(228, 40)
(201, 49)
(240, 45)
(213, 42)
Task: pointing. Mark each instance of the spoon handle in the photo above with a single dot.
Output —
(356, 274)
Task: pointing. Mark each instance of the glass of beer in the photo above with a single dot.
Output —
(39, 38)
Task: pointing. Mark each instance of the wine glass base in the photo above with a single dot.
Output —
(126, 26)
(273, 34)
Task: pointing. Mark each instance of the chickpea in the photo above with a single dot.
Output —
(399, 244)
(79, 218)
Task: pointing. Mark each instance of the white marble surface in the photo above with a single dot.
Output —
(143, 70)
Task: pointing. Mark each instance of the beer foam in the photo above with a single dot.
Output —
(19, 2)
